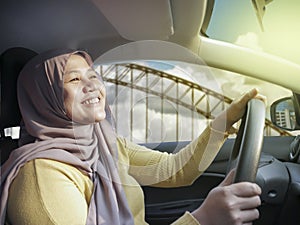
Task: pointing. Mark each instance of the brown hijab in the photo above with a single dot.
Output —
(47, 132)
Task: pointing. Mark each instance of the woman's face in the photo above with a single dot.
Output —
(84, 93)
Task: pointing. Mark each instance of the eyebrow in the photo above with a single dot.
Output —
(76, 71)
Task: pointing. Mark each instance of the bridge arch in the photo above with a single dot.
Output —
(160, 93)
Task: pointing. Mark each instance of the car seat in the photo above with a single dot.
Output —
(11, 63)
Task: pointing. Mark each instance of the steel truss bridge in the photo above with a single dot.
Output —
(146, 102)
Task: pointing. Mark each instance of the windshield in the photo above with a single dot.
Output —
(161, 105)
(236, 22)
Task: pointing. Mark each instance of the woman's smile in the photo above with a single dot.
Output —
(91, 101)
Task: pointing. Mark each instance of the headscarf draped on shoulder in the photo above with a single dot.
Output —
(47, 132)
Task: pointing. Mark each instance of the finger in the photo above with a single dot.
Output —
(248, 96)
(252, 93)
(250, 202)
(245, 189)
(262, 98)
(240, 103)
(249, 215)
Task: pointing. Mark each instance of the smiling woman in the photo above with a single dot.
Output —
(70, 154)
(84, 92)
(56, 149)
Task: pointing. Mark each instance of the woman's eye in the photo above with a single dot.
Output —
(74, 79)
(93, 76)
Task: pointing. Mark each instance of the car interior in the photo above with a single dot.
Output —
(275, 162)
(11, 63)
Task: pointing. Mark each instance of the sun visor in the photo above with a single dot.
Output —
(138, 19)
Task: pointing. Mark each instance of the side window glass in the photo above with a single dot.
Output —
(161, 101)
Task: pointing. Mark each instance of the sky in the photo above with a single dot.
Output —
(233, 20)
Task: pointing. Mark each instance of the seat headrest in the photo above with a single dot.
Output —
(11, 63)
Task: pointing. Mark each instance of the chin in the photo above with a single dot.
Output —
(99, 118)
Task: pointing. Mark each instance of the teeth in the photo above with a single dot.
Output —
(91, 101)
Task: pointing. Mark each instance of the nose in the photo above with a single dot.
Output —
(89, 86)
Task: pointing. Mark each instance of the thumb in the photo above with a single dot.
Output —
(228, 179)
(246, 97)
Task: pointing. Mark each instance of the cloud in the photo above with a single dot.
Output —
(163, 128)
(249, 40)
(132, 114)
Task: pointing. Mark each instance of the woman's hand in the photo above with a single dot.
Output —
(235, 111)
(230, 204)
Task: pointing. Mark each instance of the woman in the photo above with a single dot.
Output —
(71, 168)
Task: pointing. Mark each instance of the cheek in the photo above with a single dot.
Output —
(68, 103)
(68, 109)
(101, 87)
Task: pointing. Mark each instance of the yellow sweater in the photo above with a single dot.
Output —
(50, 192)
(158, 169)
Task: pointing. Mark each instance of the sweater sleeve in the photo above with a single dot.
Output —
(150, 167)
(186, 219)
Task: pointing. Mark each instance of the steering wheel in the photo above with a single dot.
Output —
(248, 144)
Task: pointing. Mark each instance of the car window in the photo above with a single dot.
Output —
(162, 101)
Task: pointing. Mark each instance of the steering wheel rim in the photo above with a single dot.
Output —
(248, 144)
